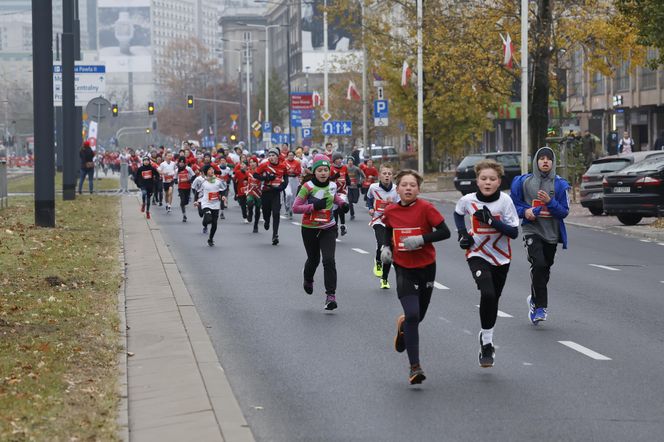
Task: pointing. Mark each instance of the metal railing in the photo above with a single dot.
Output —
(4, 199)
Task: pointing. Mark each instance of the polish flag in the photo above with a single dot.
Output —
(352, 93)
(406, 73)
(316, 99)
(508, 50)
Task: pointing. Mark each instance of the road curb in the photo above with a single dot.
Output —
(123, 394)
(225, 406)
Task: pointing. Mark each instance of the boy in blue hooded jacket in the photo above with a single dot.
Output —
(541, 201)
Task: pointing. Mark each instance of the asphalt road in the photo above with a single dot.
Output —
(593, 371)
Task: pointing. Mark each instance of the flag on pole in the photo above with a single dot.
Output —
(406, 73)
(377, 77)
(260, 114)
(316, 99)
(508, 50)
(352, 93)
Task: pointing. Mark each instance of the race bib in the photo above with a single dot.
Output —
(353, 181)
(399, 234)
(482, 228)
(321, 216)
(277, 181)
(213, 196)
(544, 213)
(146, 174)
(183, 176)
(168, 178)
(380, 205)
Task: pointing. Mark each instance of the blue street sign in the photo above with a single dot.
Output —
(267, 126)
(306, 132)
(282, 138)
(301, 114)
(341, 128)
(380, 109)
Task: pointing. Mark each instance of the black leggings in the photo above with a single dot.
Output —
(319, 242)
(271, 201)
(381, 240)
(159, 191)
(353, 198)
(414, 288)
(184, 198)
(339, 216)
(490, 281)
(210, 216)
(541, 255)
(254, 210)
(242, 201)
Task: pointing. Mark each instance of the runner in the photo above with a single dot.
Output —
(184, 178)
(253, 194)
(493, 221)
(339, 175)
(293, 172)
(370, 177)
(167, 171)
(240, 178)
(224, 173)
(355, 180)
(542, 202)
(315, 200)
(145, 178)
(379, 196)
(272, 172)
(409, 235)
(210, 201)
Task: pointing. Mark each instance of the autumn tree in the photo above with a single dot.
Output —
(647, 17)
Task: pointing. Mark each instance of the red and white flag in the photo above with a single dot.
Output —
(352, 93)
(508, 50)
(316, 99)
(260, 115)
(406, 73)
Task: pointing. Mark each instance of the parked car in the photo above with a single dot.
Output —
(591, 190)
(380, 154)
(636, 191)
(465, 179)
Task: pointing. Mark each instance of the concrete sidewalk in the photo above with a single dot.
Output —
(176, 386)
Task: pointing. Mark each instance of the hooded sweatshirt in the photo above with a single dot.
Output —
(545, 226)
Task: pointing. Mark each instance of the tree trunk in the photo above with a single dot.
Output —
(541, 55)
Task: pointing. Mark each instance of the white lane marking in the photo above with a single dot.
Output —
(599, 266)
(661, 243)
(360, 251)
(501, 314)
(283, 217)
(444, 319)
(467, 331)
(527, 364)
(440, 286)
(295, 223)
(584, 350)
(662, 282)
(338, 240)
(645, 240)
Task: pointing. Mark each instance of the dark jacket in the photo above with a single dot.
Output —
(87, 155)
(148, 179)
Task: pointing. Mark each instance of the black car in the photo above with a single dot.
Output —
(465, 179)
(636, 191)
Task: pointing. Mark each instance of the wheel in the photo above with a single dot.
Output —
(629, 219)
(596, 210)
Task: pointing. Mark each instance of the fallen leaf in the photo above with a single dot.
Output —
(130, 353)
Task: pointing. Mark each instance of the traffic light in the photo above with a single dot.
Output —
(148, 130)
(150, 108)
(115, 110)
(190, 101)
(233, 137)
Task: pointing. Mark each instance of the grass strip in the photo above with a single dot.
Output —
(58, 321)
(26, 183)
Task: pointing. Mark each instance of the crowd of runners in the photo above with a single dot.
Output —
(325, 187)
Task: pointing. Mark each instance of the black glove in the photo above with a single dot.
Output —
(484, 215)
(465, 240)
(269, 176)
(282, 186)
(319, 204)
(345, 207)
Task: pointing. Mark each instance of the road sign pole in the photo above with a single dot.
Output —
(68, 103)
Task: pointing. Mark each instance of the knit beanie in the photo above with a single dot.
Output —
(319, 161)
(274, 150)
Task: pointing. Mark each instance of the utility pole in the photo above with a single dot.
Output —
(420, 93)
(59, 151)
(247, 38)
(365, 128)
(68, 103)
(78, 112)
(326, 78)
(42, 78)
(524, 86)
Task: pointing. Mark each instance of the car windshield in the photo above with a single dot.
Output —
(470, 161)
(651, 165)
(606, 166)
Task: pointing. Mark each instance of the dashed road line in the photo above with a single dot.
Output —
(599, 266)
(283, 217)
(645, 240)
(501, 314)
(338, 240)
(360, 251)
(468, 332)
(440, 286)
(295, 223)
(661, 243)
(586, 351)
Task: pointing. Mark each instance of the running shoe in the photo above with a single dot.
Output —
(399, 339)
(246, 221)
(330, 302)
(222, 216)
(266, 224)
(378, 270)
(486, 355)
(255, 229)
(160, 204)
(384, 284)
(308, 286)
(343, 230)
(210, 242)
(147, 215)
(250, 217)
(531, 309)
(184, 218)
(540, 315)
(142, 207)
(168, 209)
(204, 230)
(416, 374)
(352, 217)
(275, 240)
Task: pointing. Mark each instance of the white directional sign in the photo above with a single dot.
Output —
(89, 83)
(343, 128)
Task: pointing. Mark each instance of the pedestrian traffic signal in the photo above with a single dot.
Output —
(190, 101)
(148, 130)
(150, 108)
(115, 110)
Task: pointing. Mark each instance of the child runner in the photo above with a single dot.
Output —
(241, 178)
(339, 174)
(167, 171)
(316, 199)
(410, 233)
(370, 177)
(253, 194)
(542, 202)
(185, 176)
(272, 172)
(145, 179)
(379, 196)
(293, 171)
(355, 177)
(493, 221)
(224, 174)
(210, 200)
